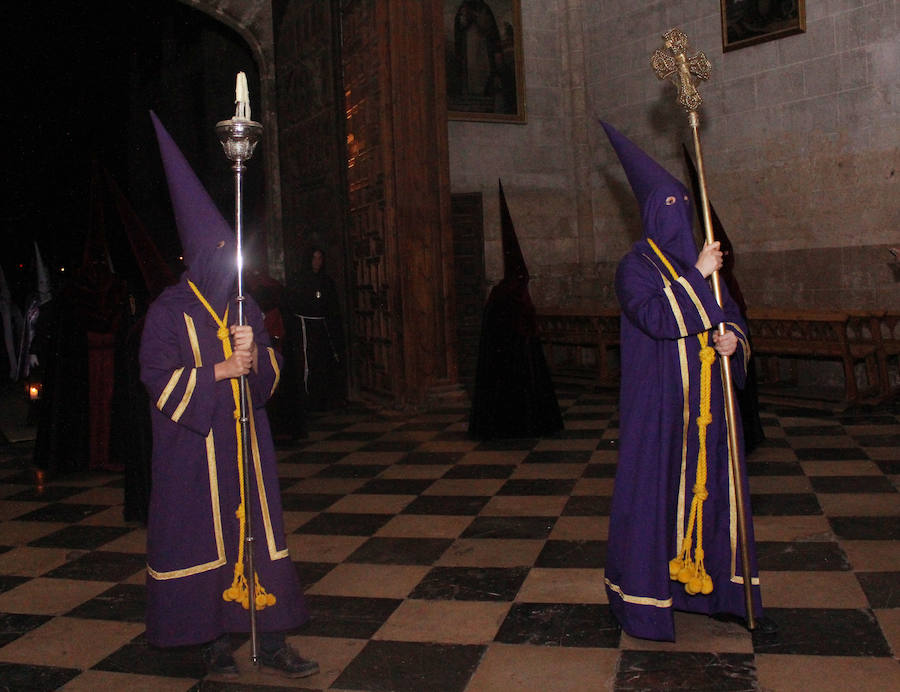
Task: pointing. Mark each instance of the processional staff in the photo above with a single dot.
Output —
(239, 137)
(677, 66)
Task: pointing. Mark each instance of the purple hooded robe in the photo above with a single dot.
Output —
(194, 535)
(660, 402)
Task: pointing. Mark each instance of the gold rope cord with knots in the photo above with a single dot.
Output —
(238, 590)
(683, 568)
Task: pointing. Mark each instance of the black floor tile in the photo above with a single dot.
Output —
(572, 554)
(431, 458)
(46, 493)
(608, 444)
(25, 678)
(311, 572)
(344, 524)
(599, 471)
(681, 670)
(351, 471)
(774, 443)
(395, 486)
(307, 502)
(582, 434)
(81, 537)
(454, 505)
(355, 436)
(14, 625)
(471, 584)
(586, 415)
(101, 566)
(388, 666)
(8, 582)
(400, 551)
(424, 425)
(892, 468)
(881, 588)
(123, 603)
(813, 556)
(814, 431)
(891, 440)
(852, 484)
(138, 657)
(560, 624)
(391, 446)
(561, 456)
(537, 486)
(866, 528)
(343, 616)
(822, 632)
(63, 512)
(784, 504)
(480, 471)
(587, 506)
(830, 454)
(774, 468)
(451, 436)
(510, 444)
(509, 527)
(304, 457)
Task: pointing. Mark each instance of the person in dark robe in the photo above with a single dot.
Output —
(131, 439)
(192, 354)
(673, 536)
(748, 395)
(514, 394)
(313, 320)
(57, 356)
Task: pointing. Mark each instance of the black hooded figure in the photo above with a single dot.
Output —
(514, 395)
(314, 327)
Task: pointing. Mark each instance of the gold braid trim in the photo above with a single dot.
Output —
(688, 570)
(239, 590)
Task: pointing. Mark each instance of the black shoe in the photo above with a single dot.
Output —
(766, 626)
(219, 661)
(288, 662)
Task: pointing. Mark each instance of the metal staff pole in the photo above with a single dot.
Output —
(239, 137)
(680, 68)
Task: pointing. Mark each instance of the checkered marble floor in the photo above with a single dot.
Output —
(436, 563)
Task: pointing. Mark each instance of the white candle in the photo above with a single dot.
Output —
(242, 98)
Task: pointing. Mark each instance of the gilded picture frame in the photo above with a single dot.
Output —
(748, 22)
(483, 50)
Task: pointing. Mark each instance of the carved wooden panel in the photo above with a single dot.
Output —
(310, 132)
(373, 302)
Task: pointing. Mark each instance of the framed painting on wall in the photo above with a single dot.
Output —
(746, 22)
(483, 46)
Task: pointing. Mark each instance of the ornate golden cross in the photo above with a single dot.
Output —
(679, 68)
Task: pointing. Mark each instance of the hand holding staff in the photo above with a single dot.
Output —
(677, 66)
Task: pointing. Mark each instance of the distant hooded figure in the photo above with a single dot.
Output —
(514, 394)
(313, 315)
(192, 354)
(673, 534)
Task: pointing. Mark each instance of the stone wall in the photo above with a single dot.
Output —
(800, 139)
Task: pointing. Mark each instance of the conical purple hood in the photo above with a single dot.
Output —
(207, 241)
(514, 266)
(663, 199)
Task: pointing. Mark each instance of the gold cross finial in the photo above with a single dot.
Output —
(679, 68)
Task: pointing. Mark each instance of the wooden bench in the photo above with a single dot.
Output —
(853, 338)
(570, 334)
(849, 337)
